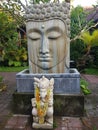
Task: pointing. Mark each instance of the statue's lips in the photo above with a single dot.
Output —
(43, 59)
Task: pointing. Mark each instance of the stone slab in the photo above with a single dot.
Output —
(64, 83)
(69, 105)
(64, 123)
(42, 126)
(18, 122)
(93, 79)
(64, 105)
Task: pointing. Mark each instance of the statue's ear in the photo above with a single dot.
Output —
(36, 80)
(51, 81)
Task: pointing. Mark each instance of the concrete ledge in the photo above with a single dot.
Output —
(65, 83)
(64, 105)
(69, 105)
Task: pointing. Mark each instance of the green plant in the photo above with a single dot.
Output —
(79, 35)
(14, 55)
(54, 124)
(78, 20)
(77, 49)
(12, 69)
(94, 128)
(90, 39)
(11, 52)
(84, 88)
(91, 71)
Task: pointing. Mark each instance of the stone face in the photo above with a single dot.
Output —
(65, 83)
(48, 27)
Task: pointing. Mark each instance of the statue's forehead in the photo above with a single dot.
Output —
(46, 24)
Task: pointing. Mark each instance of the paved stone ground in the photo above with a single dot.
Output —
(91, 101)
(93, 79)
(9, 121)
(6, 97)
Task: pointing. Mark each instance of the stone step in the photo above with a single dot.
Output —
(20, 122)
(64, 104)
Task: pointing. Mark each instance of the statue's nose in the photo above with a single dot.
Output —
(44, 48)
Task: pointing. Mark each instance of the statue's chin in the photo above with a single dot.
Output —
(44, 66)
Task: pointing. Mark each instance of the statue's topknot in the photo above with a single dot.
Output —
(47, 11)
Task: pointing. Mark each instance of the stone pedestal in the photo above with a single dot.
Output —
(65, 83)
(68, 100)
(69, 105)
(64, 105)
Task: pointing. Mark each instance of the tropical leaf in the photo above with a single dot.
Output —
(10, 62)
(90, 39)
(95, 38)
(86, 37)
(17, 63)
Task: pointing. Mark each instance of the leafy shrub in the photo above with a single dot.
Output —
(77, 50)
(11, 53)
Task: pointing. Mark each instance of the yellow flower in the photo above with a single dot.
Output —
(41, 113)
(37, 96)
(41, 109)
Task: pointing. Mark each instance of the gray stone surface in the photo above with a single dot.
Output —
(64, 83)
(69, 105)
(64, 104)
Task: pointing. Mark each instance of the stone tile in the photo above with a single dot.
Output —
(57, 121)
(4, 107)
(73, 122)
(73, 128)
(91, 78)
(29, 128)
(64, 128)
(58, 128)
(78, 129)
(17, 122)
(87, 124)
(94, 121)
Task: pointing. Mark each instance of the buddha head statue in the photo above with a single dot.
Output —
(48, 32)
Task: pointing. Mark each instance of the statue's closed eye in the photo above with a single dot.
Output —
(54, 35)
(50, 35)
(34, 36)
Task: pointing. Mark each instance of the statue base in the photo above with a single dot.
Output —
(69, 105)
(64, 104)
(42, 126)
(68, 100)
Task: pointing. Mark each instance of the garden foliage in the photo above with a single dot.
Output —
(82, 39)
(12, 50)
